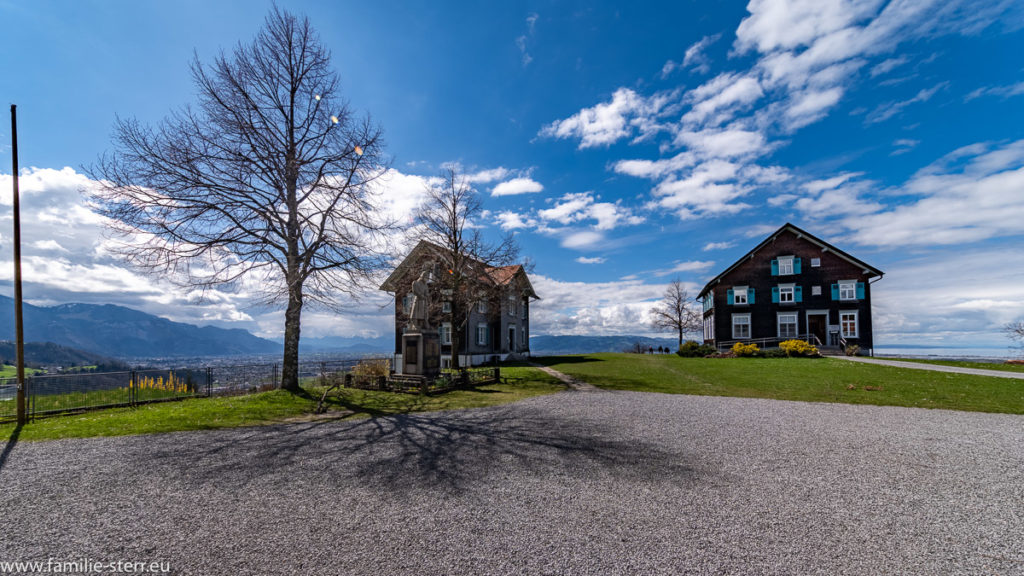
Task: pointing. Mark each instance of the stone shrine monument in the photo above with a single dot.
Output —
(421, 345)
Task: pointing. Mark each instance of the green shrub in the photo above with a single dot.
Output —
(775, 353)
(798, 348)
(742, 350)
(694, 349)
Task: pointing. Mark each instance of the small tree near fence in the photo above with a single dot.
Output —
(676, 312)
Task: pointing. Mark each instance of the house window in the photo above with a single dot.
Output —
(481, 307)
(740, 326)
(525, 314)
(848, 324)
(815, 262)
(848, 290)
(785, 265)
(512, 304)
(407, 303)
(786, 294)
(446, 333)
(740, 295)
(481, 334)
(709, 327)
(446, 307)
(787, 326)
(815, 290)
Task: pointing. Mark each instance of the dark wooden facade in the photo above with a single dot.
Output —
(792, 285)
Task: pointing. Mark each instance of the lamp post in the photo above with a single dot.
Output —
(19, 329)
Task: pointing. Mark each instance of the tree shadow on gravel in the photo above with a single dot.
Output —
(440, 451)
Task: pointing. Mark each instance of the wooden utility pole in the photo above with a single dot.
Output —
(19, 327)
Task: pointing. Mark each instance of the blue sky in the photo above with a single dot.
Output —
(624, 145)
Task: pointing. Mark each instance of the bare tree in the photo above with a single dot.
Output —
(449, 219)
(676, 312)
(1015, 332)
(264, 183)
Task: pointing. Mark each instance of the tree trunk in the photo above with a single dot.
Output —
(680, 336)
(456, 342)
(292, 324)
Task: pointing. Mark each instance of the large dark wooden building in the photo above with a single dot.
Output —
(791, 285)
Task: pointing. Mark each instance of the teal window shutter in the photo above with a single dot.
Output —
(796, 267)
(860, 290)
(728, 297)
(835, 291)
(775, 294)
(775, 267)
(750, 295)
(798, 294)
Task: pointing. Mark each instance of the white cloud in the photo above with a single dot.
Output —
(512, 220)
(1001, 91)
(49, 245)
(607, 123)
(517, 186)
(583, 240)
(579, 207)
(656, 168)
(587, 260)
(890, 109)
(696, 57)
(688, 266)
(717, 246)
(489, 175)
(888, 65)
(816, 186)
(724, 143)
(721, 97)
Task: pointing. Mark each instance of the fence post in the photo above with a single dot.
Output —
(209, 381)
(497, 374)
(132, 388)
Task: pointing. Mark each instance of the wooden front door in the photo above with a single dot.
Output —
(817, 324)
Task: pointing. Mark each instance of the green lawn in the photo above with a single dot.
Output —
(274, 407)
(8, 371)
(811, 380)
(964, 364)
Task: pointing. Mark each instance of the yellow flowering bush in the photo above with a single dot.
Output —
(798, 348)
(745, 350)
(171, 384)
(376, 367)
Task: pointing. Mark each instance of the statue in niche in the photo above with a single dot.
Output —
(419, 315)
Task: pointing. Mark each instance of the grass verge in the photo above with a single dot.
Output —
(809, 380)
(964, 364)
(275, 407)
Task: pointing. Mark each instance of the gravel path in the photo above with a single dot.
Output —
(935, 367)
(571, 483)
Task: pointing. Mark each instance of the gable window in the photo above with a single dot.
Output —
(815, 262)
(740, 326)
(512, 304)
(785, 266)
(481, 334)
(740, 295)
(446, 333)
(787, 325)
(481, 307)
(848, 324)
(815, 290)
(787, 294)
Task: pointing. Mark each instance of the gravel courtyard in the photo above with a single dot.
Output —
(571, 483)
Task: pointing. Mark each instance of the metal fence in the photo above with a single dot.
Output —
(64, 393)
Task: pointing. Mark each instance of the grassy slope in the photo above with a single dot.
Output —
(812, 380)
(272, 407)
(9, 371)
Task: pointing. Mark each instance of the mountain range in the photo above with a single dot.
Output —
(558, 345)
(116, 331)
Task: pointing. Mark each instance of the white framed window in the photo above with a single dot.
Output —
(848, 290)
(815, 262)
(785, 265)
(481, 334)
(446, 307)
(815, 290)
(512, 304)
(848, 324)
(481, 307)
(786, 293)
(407, 303)
(739, 295)
(446, 333)
(740, 326)
(709, 327)
(787, 325)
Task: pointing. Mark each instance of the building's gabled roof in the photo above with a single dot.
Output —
(825, 246)
(499, 275)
